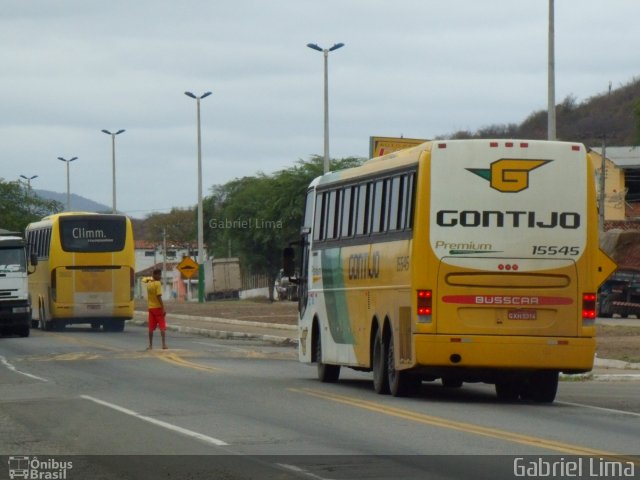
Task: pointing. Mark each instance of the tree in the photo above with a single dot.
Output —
(179, 226)
(258, 216)
(636, 114)
(19, 206)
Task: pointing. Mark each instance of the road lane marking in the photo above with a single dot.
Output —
(160, 423)
(602, 409)
(181, 362)
(80, 341)
(455, 425)
(9, 366)
(300, 471)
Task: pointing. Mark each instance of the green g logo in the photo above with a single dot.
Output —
(508, 175)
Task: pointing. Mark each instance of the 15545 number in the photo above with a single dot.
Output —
(555, 250)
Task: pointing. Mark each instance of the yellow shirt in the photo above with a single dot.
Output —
(154, 289)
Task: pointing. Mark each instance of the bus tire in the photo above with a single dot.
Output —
(508, 390)
(401, 382)
(23, 331)
(117, 325)
(379, 361)
(326, 373)
(542, 386)
(44, 325)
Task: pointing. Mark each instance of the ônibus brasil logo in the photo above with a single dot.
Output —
(32, 468)
(509, 175)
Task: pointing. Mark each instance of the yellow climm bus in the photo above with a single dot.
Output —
(86, 266)
(465, 261)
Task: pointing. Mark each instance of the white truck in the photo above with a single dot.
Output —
(15, 303)
(222, 278)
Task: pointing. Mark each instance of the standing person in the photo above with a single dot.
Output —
(157, 312)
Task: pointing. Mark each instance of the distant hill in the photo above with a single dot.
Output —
(615, 115)
(78, 203)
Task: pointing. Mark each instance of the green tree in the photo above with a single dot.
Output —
(636, 114)
(19, 206)
(179, 225)
(256, 217)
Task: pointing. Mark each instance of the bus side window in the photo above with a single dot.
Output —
(394, 202)
(378, 211)
(347, 212)
(410, 202)
(47, 243)
(318, 225)
(362, 217)
(332, 214)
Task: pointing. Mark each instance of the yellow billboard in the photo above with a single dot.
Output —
(379, 146)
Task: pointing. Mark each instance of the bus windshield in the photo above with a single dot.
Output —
(92, 234)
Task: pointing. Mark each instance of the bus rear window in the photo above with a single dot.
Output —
(88, 234)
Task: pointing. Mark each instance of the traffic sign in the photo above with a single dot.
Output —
(188, 267)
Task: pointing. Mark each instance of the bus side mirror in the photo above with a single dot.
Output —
(288, 261)
(33, 259)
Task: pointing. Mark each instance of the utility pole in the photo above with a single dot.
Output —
(551, 80)
(603, 175)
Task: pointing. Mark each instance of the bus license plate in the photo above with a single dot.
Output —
(522, 314)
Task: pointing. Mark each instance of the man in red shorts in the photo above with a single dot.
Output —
(157, 313)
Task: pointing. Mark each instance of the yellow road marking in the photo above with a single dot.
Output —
(80, 341)
(181, 362)
(460, 426)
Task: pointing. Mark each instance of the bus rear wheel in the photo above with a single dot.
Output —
(508, 390)
(401, 382)
(326, 373)
(541, 386)
(380, 373)
(44, 325)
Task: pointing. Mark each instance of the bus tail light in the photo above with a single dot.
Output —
(589, 313)
(425, 306)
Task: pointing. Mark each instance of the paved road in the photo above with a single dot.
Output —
(261, 414)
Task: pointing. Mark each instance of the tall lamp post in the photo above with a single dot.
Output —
(200, 213)
(551, 77)
(68, 183)
(326, 51)
(113, 162)
(28, 179)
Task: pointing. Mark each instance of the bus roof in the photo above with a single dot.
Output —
(392, 161)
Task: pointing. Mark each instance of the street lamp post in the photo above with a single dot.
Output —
(28, 179)
(326, 51)
(200, 213)
(113, 162)
(68, 183)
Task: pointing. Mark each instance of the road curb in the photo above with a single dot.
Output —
(140, 319)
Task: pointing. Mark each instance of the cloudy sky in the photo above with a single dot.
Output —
(417, 68)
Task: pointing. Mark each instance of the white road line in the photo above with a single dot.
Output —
(160, 423)
(301, 471)
(4, 362)
(602, 409)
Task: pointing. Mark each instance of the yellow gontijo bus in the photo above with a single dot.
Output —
(465, 261)
(86, 266)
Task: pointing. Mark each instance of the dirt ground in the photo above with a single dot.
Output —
(255, 311)
(614, 342)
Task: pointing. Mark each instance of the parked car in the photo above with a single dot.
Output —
(285, 288)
